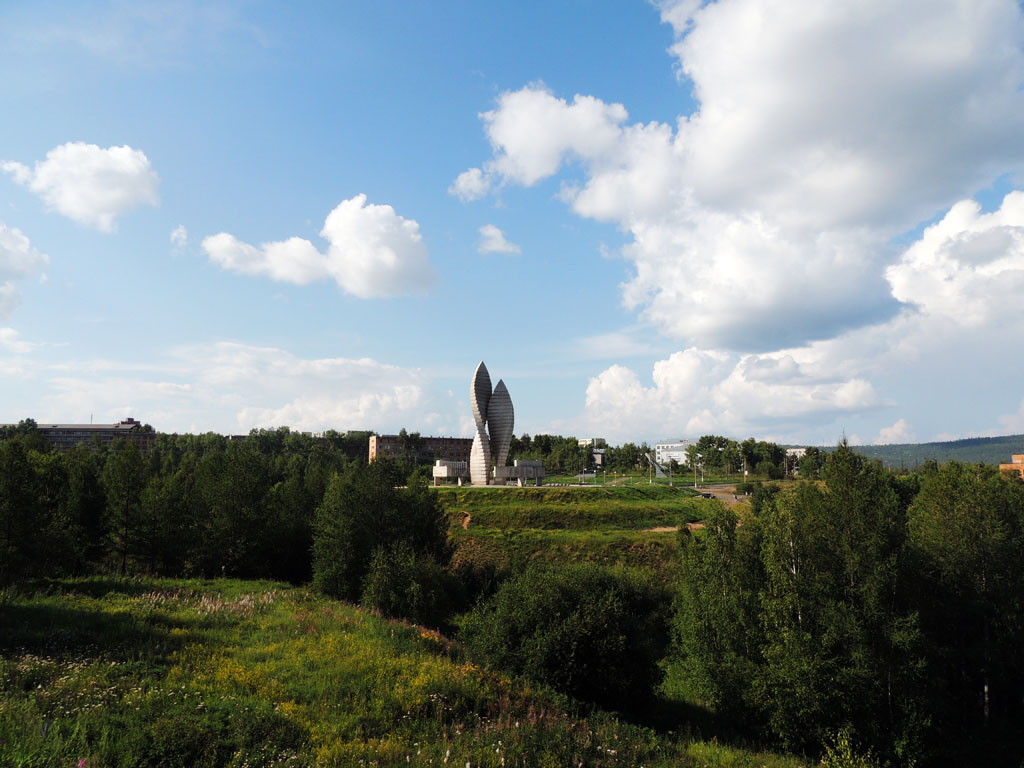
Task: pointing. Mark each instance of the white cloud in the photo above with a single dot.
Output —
(1012, 423)
(290, 261)
(898, 433)
(532, 132)
(11, 340)
(765, 218)
(232, 388)
(373, 253)
(699, 391)
(470, 185)
(616, 344)
(18, 260)
(969, 266)
(492, 240)
(179, 237)
(91, 185)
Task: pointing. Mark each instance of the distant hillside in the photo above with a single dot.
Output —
(987, 450)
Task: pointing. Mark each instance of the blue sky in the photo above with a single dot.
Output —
(652, 220)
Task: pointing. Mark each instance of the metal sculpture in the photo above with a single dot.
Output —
(492, 409)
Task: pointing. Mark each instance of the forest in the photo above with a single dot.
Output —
(854, 606)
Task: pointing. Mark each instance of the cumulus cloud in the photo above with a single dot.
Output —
(697, 391)
(900, 432)
(492, 240)
(969, 266)
(373, 252)
(232, 388)
(470, 185)
(765, 218)
(89, 184)
(18, 260)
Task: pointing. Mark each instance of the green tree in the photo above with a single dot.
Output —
(86, 501)
(811, 463)
(362, 511)
(841, 647)
(123, 481)
(966, 539)
(716, 624)
(232, 487)
(19, 515)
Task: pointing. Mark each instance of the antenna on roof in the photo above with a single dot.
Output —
(90, 418)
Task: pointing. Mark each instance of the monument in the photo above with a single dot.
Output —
(494, 419)
(480, 401)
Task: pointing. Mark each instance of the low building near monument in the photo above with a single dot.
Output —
(522, 472)
(447, 471)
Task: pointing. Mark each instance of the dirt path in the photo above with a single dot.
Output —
(673, 528)
(725, 493)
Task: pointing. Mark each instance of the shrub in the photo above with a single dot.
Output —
(402, 583)
(592, 632)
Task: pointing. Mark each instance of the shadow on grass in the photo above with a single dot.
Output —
(671, 716)
(93, 586)
(45, 628)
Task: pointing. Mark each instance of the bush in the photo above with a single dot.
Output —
(592, 632)
(404, 584)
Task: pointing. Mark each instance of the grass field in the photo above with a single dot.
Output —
(101, 672)
(509, 527)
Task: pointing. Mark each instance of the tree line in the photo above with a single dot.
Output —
(193, 505)
(886, 606)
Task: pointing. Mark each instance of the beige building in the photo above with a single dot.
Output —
(1016, 465)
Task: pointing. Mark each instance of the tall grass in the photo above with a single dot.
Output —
(102, 672)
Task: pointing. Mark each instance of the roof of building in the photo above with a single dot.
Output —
(123, 427)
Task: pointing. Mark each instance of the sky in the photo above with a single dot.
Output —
(784, 219)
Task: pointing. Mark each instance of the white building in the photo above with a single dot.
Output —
(667, 451)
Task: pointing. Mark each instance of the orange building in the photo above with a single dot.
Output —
(1016, 465)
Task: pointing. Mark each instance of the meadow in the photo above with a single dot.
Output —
(160, 672)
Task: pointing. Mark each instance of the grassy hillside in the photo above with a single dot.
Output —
(102, 672)
(607, 524)
(626, 507)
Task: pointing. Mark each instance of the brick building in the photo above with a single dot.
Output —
(446, 448)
